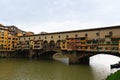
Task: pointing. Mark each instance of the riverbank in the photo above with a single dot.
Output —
(114, 76)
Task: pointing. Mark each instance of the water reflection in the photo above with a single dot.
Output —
(23, 69)
(101, 65)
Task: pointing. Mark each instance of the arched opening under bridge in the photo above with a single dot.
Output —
(47, 55)
(52, 45)
(45, 45)
(85, 57)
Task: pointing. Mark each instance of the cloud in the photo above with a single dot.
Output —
(59, 15)
(60, 26)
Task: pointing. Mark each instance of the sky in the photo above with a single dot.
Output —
(59, 15)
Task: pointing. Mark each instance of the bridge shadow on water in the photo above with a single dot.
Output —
(48, 55)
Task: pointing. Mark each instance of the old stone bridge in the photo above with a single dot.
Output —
(77, 45)
(74, 56)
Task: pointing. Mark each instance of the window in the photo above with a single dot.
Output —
(86, 47)
(76, 35)
(63, 42)
(115, 48)
(83, 38)
(67, 36)
(86, 35)
(58, 36)
(12, 42)
(39, 37)
(97, 34)
(88, 42)
(82, 42)
(106, 48)
(111, 33)
(51, 37)
(63, 46)
(108, 42)
(45, 37)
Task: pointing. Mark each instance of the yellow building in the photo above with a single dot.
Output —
(8, 41)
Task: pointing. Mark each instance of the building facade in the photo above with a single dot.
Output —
(8, 38)
(106, 39)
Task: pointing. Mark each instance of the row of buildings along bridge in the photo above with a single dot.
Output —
(96, 40)
(105, 39)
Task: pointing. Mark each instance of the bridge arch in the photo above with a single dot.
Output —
(84, 58)
(52, 44)
(45, 45)
(47, 55)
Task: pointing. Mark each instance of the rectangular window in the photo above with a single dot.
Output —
(39, 37)
(97, 34)
(86, 35)
(51, 37)
(45, 37)
(58, 36)
(76, 35)
(67, 36)
(111, 33)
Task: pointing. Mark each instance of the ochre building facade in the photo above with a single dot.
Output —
(8, 40)
(105, 39)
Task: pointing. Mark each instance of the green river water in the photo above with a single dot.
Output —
(26, 69)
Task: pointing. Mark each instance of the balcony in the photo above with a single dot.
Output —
(71, 49)
(79, 44)
(114, 50)
(37, 46)
(18, 47)
(115, 43)
(109, 43)
(25, 47)
(71, 40)
(81, 49)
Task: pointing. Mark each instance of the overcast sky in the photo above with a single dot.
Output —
(59, 15)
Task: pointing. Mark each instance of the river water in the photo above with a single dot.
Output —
(25, 69)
